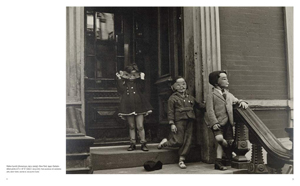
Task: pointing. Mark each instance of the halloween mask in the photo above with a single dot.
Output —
(223, 81)
(179, 85)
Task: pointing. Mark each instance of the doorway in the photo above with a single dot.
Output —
(108, 48)
(116, 37)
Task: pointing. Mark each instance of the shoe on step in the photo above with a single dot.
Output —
(160, 145)
(144, 147)
(219, 165)
(182, 165)
(131, 147)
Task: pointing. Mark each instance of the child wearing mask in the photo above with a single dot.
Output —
(181, 117)
(134, 105)
(219, 110)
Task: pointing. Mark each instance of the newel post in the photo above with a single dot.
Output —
(257, 165)
(240, 146)
(290, 131)
(275, 165)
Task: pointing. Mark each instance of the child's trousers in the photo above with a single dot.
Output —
(182, 138)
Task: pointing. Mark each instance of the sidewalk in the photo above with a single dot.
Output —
(192, 168)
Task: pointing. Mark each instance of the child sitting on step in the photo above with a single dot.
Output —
(181, 117)
(219, 112)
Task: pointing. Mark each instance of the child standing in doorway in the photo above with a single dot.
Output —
(134, 105)
(219, 110)
(181, 117)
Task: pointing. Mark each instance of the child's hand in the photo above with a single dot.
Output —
(203, 105)
(142, 75)
(173, 128)
(216, 126)
(243, 105)
(119, 74)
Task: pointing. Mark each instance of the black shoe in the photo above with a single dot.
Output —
(132, 147)
(144, 147)
(228, 150)
(219, 165)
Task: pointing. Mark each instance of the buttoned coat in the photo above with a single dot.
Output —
(182, 108)
(132, 100)
(219, 110)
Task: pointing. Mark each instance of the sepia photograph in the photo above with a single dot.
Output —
(151, 93)
(148, 90)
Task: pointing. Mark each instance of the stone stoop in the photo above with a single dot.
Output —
(117, 160)
(78, 154)
(116, 157)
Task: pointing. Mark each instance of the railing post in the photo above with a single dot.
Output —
(256, 165)
(275, 165)
(290, 132)
(240, 147)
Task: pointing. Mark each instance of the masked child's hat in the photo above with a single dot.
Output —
(131, 67)
(175, 79)
(153, 165)
(214, 76)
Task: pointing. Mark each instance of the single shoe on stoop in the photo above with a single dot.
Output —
(144, 147)
(182, 165)
(161, 143)
(219, 165)
(132, 147)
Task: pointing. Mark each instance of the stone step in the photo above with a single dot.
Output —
(114, 157)
(81, 170)
(78, 153)
(117, 160)
(192, 168)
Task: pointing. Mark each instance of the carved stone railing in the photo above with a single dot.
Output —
(260, 137)
(240, 147)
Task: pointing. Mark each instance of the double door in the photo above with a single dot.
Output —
(109, 47)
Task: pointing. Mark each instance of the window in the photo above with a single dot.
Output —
(104, 26)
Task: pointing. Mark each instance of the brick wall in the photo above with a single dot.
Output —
(253, 51)
(275, 120)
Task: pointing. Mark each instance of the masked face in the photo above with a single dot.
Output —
(179, 85)
(223, 81)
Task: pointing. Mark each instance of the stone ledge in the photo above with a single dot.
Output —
(119, 157)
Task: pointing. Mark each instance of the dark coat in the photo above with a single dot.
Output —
(133, 100)
(180, 108)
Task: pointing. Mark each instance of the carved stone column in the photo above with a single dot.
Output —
(202, 48)
(75, 57)
(240, 147)
(256, 165)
